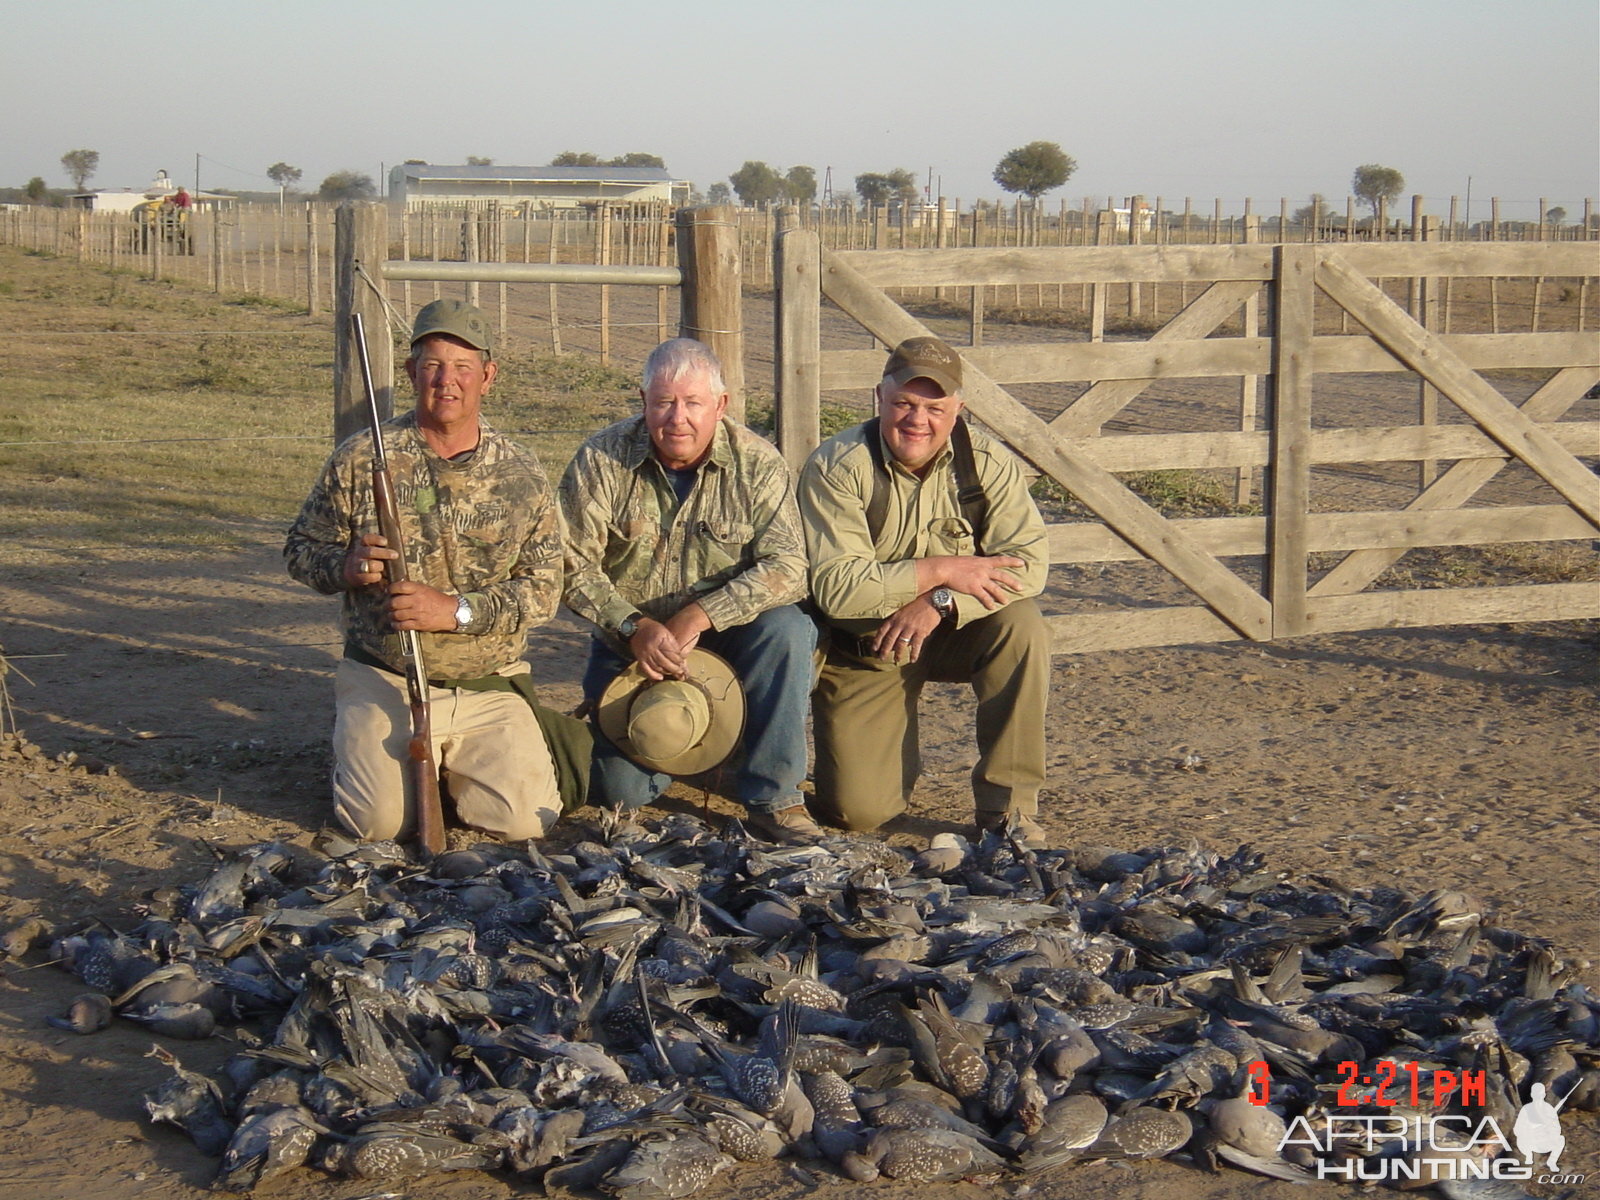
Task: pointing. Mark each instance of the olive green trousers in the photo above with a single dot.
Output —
(864, 718)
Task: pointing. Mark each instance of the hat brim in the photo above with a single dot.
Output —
(715, 677)
(906, 374)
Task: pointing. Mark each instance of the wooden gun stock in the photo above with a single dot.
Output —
(424, 772)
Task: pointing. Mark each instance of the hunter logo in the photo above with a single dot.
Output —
(1538, 1127)
(1411, 1151)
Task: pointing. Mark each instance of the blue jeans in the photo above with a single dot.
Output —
(771, 656)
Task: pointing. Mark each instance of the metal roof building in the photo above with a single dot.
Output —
(418, 185)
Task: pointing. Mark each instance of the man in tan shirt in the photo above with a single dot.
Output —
(925, 555)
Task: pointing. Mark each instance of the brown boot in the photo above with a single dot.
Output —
(788, 826)
(1028, 833)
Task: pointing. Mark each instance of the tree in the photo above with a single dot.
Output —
(1556, 215)
(285, 176)
(79, 165)
(757, 183)
(800, 185)
(636, 158)
(477, 160)
(1034, 169)
(347, 185)
(36, 190)
(1317, 209)
(574, 158)
(718, 193)
(1374, 184)
(877, 190)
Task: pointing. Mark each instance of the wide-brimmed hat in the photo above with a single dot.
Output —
(675, 726)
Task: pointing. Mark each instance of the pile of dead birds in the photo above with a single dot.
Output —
(642, 1010)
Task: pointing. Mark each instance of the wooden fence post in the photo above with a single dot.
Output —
(712, 304)
(797, 362)
(216, 248)
(1293, 293)
(1249, 385)
(1105, 233)
(312, 252)
(1428, 314)
(360, 240)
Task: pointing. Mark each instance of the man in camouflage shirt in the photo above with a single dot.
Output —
(482, 537)
(682, 531)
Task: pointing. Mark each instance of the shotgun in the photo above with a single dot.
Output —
(423, 770)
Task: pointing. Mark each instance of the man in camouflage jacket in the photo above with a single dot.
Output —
(682, 531)
(483, 537)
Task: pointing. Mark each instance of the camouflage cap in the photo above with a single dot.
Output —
(925, 358)
(456, 318)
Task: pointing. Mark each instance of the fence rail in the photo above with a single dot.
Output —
(1296, 567)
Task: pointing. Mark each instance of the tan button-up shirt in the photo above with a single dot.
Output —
(857, 579)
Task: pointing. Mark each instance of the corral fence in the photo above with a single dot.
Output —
(1297, 566)
(1283, 329)
(706, 275)
(287, 251)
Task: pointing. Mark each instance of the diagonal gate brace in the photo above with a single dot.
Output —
(1441, 366)
(1228, 595)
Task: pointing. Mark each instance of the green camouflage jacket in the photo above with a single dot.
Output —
(857, 580)
(486, 527)
(734, 545)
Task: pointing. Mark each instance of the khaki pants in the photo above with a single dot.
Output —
(864, 719)
(491, 757)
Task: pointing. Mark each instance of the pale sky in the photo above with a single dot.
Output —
(1224, 98)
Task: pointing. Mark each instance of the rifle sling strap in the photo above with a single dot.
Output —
(969, 492)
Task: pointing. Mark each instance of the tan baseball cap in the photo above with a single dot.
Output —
(925, 358)
(456, 318)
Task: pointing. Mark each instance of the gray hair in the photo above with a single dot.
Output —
(677, 357)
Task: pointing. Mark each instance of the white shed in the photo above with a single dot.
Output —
(419, 185)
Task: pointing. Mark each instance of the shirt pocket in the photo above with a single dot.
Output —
(721, 545)
(950, 535)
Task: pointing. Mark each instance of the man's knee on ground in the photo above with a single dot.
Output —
(365, 823)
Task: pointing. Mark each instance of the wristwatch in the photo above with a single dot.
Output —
(463, 613)
(629, 625)
(943, 602)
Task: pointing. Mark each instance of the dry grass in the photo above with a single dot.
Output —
(153, 417)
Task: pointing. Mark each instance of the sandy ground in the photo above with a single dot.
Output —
(197, 699)
(176, 707)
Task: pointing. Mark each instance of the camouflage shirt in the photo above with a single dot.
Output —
(485, 526)
(859, 579)
(734, 545)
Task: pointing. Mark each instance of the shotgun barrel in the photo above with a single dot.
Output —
(423, 771)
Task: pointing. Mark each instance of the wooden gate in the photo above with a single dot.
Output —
(1275, 588)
